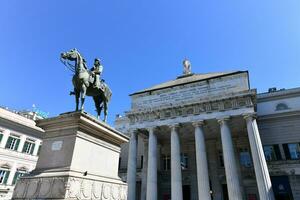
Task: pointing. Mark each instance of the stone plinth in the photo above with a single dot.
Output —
(78, 160)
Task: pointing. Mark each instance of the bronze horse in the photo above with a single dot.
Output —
(83, 83)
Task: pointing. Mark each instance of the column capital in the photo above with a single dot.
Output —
(151, 128)
(198, 123)
(249, 116)
(132, 132)
(174, 126)
(224, 119)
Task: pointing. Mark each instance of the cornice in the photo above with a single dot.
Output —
(278, 115)
(280, 94)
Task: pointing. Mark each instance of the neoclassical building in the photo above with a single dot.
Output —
(20, 140)
(210, 136)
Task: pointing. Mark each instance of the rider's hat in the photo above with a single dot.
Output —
(97, 59)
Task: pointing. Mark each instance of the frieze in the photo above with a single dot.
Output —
(190, 109)
(69, 188)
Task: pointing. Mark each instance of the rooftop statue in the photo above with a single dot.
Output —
(187, 68)
(87, 82)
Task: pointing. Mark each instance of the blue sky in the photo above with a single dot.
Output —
(142, 43)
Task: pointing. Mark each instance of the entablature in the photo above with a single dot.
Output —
(236, 101)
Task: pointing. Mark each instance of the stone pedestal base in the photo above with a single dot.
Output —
(78, 160)
(69, 188)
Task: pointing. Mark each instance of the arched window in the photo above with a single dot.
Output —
(281, 106)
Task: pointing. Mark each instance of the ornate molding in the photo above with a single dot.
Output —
(249, 116)
(198, 123)
(220, 105)
(174, 127)
(68, 188)
(223, 120)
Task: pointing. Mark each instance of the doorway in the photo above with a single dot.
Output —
(281, 188)
(225, 192)
(186, 190)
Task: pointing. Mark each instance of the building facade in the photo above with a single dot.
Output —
(210, 136)
(20, 141)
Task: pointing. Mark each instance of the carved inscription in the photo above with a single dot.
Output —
(191, 92)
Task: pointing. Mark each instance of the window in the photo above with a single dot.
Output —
(142, 162)
(39, 150)
(17, 176)
(272, 152)
(4, 173)
(12, 143)
(28, 147)
(119, 166)
(292, 151)
(245, 158)
(166, 162)
(1, 135)
(281, 106)
(184, 160)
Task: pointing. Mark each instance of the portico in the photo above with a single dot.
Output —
(201, 134)
(185, 121)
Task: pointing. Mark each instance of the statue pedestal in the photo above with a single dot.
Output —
(78, 160)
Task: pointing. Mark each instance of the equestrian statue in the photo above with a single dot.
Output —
(87, 82)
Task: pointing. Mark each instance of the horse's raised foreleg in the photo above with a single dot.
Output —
(83, 93)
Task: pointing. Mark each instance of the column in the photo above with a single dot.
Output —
(22, 142)
(152, 166)
(12, 172)
(144, 171)
(131, 167)
(6, 134)
(201, 161)
(176, 179)
(260, 166)
(36, 147)
(232, 179)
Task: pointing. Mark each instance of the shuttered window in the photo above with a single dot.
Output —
(28, 147)
(12, 143)
(1, 136)
(17, 176)
(4, 174)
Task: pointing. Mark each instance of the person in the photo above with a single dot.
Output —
(96, 71)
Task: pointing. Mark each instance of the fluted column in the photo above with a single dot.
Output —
(131, 167)
(176, 179)
(260, 166)
(201, 160)
(152, 166)
(231, 171)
